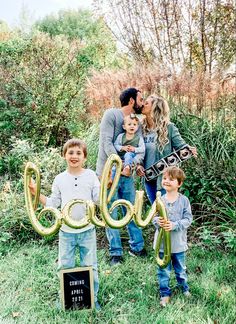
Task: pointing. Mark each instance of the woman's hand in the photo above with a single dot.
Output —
(140, 170)
(193, 150)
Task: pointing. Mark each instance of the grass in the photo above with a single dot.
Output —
(128, 293)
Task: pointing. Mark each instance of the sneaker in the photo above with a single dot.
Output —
(187, 294)
(116, 260)
(97, 306)
(142, 253)
(164, 301)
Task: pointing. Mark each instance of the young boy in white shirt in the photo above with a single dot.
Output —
(75, 182)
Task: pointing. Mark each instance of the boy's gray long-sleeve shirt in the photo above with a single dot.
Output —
(180, 214)
(111, 126)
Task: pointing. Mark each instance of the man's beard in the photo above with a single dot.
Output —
(137, 109)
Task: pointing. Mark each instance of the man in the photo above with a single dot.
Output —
(111, 126)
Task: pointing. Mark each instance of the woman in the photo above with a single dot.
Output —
(161, 138)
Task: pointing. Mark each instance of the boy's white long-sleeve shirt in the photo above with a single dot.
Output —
(67, 187)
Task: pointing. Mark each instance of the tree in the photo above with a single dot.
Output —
(99, 47)
(43, 75)
(41, 88)
(198, 35)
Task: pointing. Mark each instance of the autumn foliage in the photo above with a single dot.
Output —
(198, 93)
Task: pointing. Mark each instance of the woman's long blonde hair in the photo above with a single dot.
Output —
(161, 119)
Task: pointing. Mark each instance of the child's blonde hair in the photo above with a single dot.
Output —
(75, 142)
(175, 172)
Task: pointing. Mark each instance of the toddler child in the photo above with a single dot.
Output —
(128, 144)
(179, 219)
(75, 183)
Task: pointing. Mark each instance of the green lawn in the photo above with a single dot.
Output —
(128, 293)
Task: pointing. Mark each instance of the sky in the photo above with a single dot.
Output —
(10, 9)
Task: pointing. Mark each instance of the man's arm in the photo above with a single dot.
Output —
(118, 143)
(140, 152)
(107, 129)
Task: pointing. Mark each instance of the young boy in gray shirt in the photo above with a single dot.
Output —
(179, 219)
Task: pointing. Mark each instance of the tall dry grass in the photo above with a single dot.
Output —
(198, 93)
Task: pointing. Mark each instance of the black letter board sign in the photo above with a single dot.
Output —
(77, 291)
(172, 159)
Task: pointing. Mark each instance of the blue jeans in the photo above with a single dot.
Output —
(128, 160)
(163, 275)
(125, 190)
(86, 241)
(151, 190)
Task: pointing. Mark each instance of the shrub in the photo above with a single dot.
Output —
(14, 221)
(210, 183)
(41, 86)
(91, 138)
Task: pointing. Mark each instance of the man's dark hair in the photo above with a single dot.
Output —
(127, 94)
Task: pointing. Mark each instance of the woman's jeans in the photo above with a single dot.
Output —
(163, 275)
(86, 241)
(151, 190)
(125, 190)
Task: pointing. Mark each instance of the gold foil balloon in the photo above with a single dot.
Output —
(132, 212)
(162, 236)
(105, 198)
(96, 221)
(138, 210)
(31, 206)
(66, 212)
